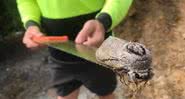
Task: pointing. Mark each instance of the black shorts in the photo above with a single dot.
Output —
(69, 76)
(70, 72)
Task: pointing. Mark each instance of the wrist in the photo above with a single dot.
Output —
(105, 20)
(101, 27)
(32, 24)
(33, 28)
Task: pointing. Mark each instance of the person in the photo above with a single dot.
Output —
(86, 22)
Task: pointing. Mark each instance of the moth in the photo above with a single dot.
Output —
(130, 60)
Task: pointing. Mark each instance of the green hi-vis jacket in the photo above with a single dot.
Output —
(60, 9)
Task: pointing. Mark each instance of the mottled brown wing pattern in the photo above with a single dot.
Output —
(130, 60)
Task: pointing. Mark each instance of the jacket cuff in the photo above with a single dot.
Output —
(31, 23)
(105, 19)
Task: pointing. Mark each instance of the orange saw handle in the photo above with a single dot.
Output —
(50, 39)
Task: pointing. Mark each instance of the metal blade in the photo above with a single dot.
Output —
(79, 50)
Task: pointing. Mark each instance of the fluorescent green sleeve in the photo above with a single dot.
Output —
(29, 10)
(116, 9)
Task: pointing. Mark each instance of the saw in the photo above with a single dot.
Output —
(64, 44)
(125, 58)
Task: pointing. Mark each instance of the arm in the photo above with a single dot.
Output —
(30, 12)
(30, 15)
(113, 12)
(93, 32)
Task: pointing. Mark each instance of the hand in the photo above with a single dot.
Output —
(92, 34)
(32, 31)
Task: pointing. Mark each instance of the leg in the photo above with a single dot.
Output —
(99, 80)
(63, 81)
(73, 95)
(68, 90)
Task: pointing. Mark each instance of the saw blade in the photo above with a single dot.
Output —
(79, 50)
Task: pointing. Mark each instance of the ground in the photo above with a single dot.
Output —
(159, 24)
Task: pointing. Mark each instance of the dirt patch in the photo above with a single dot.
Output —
(20, 76)
(160, 24)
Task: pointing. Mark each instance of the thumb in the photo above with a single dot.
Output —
(38, 33)
(84, 34)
